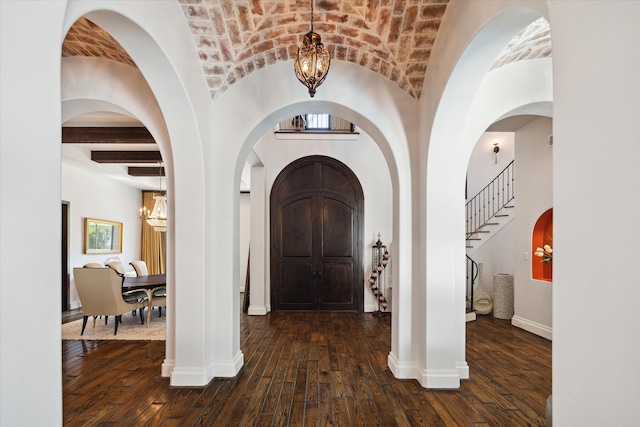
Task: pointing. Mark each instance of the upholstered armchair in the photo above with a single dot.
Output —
(100, 291)
(93, 265)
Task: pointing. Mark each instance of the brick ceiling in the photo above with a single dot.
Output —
(235, 38)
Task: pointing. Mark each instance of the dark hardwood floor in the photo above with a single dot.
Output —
(310, 369)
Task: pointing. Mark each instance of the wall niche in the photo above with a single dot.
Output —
(542, 235)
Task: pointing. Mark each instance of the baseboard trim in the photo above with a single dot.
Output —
(257, 311)
(400, 370)
(187, 377)
(533, 327)
(167, 367)
(439, 379)
(463, 370)
(229, 369)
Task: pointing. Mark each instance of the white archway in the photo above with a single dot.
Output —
(253, 105)
(455, 129)
(189, 354)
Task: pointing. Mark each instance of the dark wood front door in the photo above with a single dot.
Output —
(316, 234)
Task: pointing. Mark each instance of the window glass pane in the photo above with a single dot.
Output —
(317, 121)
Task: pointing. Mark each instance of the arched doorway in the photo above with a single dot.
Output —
(317, 211)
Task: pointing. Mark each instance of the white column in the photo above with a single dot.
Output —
(259, 257)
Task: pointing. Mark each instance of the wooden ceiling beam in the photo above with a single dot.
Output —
(126, 156)
(106, 135)
(146, 171)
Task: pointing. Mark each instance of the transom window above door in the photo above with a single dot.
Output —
(316, 122)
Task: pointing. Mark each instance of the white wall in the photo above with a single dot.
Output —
(362, 155)
(91, 195)
(30, 363)
(534, 190)
(596, 200)
(482, 167)
(496, 255)
(245, 234)
(496, 251)
(509, 250)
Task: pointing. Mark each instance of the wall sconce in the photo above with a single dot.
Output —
(496, 149)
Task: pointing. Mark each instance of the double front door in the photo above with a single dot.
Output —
(316, 220)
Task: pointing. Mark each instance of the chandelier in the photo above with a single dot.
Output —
(158, 216)
(312, 60)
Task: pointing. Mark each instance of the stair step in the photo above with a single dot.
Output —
(509, 207)
(473, 238)
(469, 247)
(477, 233)
(491, 223)
(501, 215)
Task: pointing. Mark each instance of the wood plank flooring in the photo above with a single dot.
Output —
(311, 369)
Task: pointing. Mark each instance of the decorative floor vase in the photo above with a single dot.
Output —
(502, 296)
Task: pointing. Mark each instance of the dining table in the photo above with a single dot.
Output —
(147, 284)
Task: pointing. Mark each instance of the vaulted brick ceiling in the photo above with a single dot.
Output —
(391, 37)
(237, 37)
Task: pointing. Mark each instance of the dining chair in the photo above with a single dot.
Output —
(100, 291)
(158, 296)
(140, 267)
(117, 266)
(93, 265)
(97, 265)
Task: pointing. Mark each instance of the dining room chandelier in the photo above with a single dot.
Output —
(312, 60)
(158, 216)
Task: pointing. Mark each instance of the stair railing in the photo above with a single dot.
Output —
(472, 275)
(495, 196)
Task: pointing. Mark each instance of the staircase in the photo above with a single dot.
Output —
(490, 209)
(487, 212)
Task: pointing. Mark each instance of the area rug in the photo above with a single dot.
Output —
(129, 329)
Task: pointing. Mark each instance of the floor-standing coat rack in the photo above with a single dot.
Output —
(378, 281)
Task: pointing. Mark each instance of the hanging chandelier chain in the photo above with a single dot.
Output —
(311, 15)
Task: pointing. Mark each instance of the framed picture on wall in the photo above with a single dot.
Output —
(102, 237)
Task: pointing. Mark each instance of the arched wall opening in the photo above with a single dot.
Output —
(278, 103)
(264, 157)
(542, 247)
(273, 152)
(177, 118)
(457, 124)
